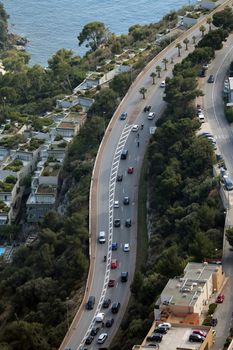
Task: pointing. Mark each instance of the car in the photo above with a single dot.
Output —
(124, 154)
(94, 331)
(99, 317)
(202, 73)
(198, 331)
(147, 109)
(161, 330)
(206, 134)
(135, 128)
(90, 303)
(115, 307)
(128, 223)
(123, 116)
(214, 322)
(165, 324)
(126, 247)
(102, 337)
(155, 337)
(228, 183)
(119, 178)
(153, 345)
(126, 201)
(163, 84)
(116, 204)
(220, 298)
(89, 340)
(106, 303)
(205, 66)
(111, 283)
(114, 264)
(117, 222)
(124, 276)
(130, 170)
(109, 323)
(151, 115)
(196, 338)
(211, 79)
(114, 246)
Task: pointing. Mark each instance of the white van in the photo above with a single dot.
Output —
(102, 238)
(201, 118)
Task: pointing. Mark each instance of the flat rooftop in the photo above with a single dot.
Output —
(199, 271)
(176, 337)
(66, 125)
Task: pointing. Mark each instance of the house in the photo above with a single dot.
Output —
(40, 202)
(75, 100)
(207, 4)
(66, 129)
(186, 21)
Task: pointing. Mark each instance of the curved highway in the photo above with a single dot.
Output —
(105, 190)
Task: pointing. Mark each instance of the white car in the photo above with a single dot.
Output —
(165, 325)
(99, 317)
(116, 204)
(135, 128)
(126, 247)
(163, 84)
(151, 115)
(102, 337)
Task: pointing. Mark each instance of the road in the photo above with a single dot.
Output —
(105, 190)
(213, 105)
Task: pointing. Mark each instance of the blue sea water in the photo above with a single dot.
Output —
(50, 25)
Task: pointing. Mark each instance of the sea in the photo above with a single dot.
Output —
(53, 24)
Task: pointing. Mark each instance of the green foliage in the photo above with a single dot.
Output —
(212, 308)
(224, 18)
(94, 33)
(121, 83)
(105, 103)
(229, 236)
(214, 39)
(15, 166)
(229, 114)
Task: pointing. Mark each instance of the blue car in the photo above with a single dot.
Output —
(114, 246)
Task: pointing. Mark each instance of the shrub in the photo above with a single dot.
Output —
(212, 308)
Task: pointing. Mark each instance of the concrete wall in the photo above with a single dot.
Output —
(48, 180)
(218, 279)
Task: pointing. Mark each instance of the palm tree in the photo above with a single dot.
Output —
(194, 39)
(172, 60)
(153, 75)
(202, 30)
(186, 41)
(158, 70)
(179, 47)
(165, 61)
(209, 21)
(143, 91)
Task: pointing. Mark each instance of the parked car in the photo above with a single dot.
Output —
(126, 200)
(123, 116)
(135, 128)
(228, 183)
(119, 178)
(165, 324)
(202, 73)
(94, 331)
(211, 79)
(114, 264)
(155, 337)
(130, 170)
(116, 204)
(199, 332)
(126, 247)
(128, 223)
(115, 307)
(196, 338)
(220, 298)
(147, 109)
(102, 338)
(117, 222)
(114, 246)
(161, 330)
(111, 283)
(214, 322)
(124, 276)
(89, 340)
(163, 84)
(109, 323)
(106, 303)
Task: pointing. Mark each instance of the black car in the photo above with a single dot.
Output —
(89, 340)
(124, 276)
(115, 308)
(155, 337)
(126, 201)
(117, 222)
(196, 338)
(123, 116)
(94, 331)
(211, 79)
(202, 73)
(214, 322)
(147, 108)
(161, 330)
(128, 223)
(106, 303)
(119, 178)
(109, 323)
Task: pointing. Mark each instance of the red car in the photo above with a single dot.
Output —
(199, 332)
(114, 264)
(130, 170)
(111, 283)
(220, 298)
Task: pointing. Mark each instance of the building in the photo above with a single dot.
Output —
(177, 338)
(207, 4)
(189, 294)
(228, 87)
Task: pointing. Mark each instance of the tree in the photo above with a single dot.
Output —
(105, 103)
(158, 70)
(229, 236)
(202, 30)
(178, 46)
(224, 19)
(194, 39)
(143, 91)
(165, 61)
(186, 41)
(95, 33)
(153, 75)
(121, 83)
(209, 22)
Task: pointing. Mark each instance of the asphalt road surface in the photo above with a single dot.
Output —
(119, 136)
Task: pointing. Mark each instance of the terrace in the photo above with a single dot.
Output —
(16, 165)
(46, 189)
(51, 169)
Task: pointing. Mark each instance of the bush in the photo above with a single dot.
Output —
(212, 308)
(229, 114)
